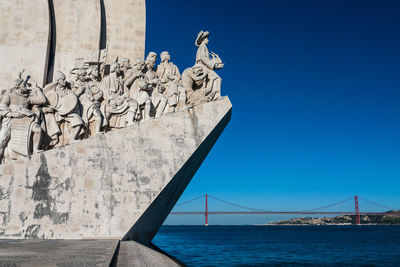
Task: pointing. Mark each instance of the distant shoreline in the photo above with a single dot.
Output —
(392, 218)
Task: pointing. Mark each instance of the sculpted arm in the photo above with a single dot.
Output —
(177, 73)
(205, 58)
(131, 79)
(38, 98)
(80, 90)
(5, 111)
(98, 96)
(197, 77)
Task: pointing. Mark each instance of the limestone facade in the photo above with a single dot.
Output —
(126, 29)
(120, 184)
(43, 36)
(24, 40)
(77, 27)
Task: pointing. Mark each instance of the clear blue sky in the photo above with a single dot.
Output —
(315, 88)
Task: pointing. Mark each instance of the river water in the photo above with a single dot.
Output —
(282, 245)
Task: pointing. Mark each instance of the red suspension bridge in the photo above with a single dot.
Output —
(316, 211)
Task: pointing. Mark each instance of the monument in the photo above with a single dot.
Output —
(95, 151)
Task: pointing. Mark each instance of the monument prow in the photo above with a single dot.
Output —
(120, 184)
(96, 142)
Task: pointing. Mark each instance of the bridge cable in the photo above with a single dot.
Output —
(328, 206)
(377, 204)
(185, 202)
(235, 205)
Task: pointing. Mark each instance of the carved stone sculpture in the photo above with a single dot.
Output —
(140, 90)
(125, 69)
(213, 81)
(151, 76)
(91, 101)
(120, 108)
(122, 96)
(79, 86)
(166, 70)
(172, 96)
(151, 58)
(159, 100)
(170, 77)
(193, 80)
(20, 132)
(63, 106)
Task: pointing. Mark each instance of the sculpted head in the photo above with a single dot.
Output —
(115, 67)
(82, 74)
(59, 78)
(126, 62)
(139, 64)
(93, 71)
(165, 56)
(160, 88)
(151, 57)
(202, 38)
(142, 84)
(197, 69)
(20, 86)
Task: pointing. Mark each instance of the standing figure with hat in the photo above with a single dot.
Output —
(213, 81)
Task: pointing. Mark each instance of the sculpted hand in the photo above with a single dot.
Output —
(49, 110)
(219, 66)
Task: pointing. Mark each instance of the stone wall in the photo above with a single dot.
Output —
(120, 184)
(24, 38)
(44, 36)
(77, 26)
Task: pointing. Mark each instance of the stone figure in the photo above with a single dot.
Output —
(172, 96)
(166, 70)
(182, 99)
(136, 89)
(159, 100)
(135, 73)
(125, 69)
(20, 132)
(213, 81)
(151, 57)
(91, 101)
(193, 80)
(103, 96)
(150, 73)
(79, 86)
(120, 108)
(170, 77)
(62, 107)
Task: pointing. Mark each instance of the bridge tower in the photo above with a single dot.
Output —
(206, 213)
(357, 211)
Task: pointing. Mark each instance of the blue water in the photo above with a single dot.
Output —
(282, 245)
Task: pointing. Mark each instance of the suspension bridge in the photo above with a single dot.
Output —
(316, 211)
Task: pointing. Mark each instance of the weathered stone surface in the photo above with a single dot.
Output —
(131, 253)
(121, 184)
(93, 252)
(45, 36)
(77, 25)
(24, 36)
(39, 253)
(126, 28)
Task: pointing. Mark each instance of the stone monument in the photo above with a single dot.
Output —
(92, 147)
